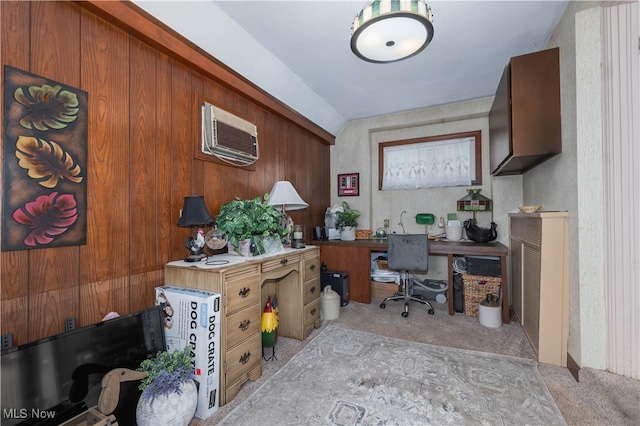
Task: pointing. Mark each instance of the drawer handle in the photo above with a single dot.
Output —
(312, 267)
(313, 289)
(245, 358)
(244, 325)
(313, 311)
(284, 261)
(244, 292)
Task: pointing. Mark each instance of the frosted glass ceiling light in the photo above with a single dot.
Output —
(391, 30)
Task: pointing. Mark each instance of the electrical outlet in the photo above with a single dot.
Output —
(7, 341)
(69, 324)
(386, 223)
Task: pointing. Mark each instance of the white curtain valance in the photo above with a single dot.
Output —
(429, 164)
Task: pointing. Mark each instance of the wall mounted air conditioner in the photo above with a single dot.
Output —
(228, 136)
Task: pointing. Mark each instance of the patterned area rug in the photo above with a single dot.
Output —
(347, 377)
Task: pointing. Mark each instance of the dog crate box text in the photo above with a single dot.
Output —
(192, 317)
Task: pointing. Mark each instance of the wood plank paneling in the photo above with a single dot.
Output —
(14, 265)
(141, 163)
(143, 98)
(55, 49)
(105, 76)
(161, 147)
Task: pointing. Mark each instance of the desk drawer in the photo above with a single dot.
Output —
(311, 290)
(241, 291)
(312, 312)
(242, 325)
(280, 262)
(243, 357)
(311, 268)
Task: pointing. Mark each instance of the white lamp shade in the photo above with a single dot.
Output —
(283, 194)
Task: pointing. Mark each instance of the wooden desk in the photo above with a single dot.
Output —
(354, 257)
(245, 284)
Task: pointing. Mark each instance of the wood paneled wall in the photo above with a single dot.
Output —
(143, 134)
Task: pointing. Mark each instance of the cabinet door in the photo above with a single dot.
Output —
(531, 293)
(500, 123)
(516, 278)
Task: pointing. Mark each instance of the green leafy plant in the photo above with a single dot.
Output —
(242, 219)
(167, 371)
(347, 217)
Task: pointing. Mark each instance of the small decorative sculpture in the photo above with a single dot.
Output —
(269, 327)
(478, 234)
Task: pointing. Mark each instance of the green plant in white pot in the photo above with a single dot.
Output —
(169, 393)
(250, 225)
(347, 222)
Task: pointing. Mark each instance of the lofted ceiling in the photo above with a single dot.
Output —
(299, 51)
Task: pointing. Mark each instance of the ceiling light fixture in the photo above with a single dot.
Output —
(391, 30)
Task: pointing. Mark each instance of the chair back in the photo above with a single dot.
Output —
(408, 252)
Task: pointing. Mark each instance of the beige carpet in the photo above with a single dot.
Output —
(600, 398)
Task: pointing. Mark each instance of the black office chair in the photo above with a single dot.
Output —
(407, 252)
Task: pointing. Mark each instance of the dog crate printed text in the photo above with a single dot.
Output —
(193, 325)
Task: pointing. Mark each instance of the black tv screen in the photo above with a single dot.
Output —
(51, 380)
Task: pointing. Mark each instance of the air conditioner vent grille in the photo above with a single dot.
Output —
(227, 136)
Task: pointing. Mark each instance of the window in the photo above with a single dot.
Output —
(437, 161)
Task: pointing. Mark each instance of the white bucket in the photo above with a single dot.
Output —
(453, 233)
(329, 304)
(489, 314)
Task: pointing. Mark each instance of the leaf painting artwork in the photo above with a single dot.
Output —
(47, 216)
(45, 156)
(49, 107)
(46, 162)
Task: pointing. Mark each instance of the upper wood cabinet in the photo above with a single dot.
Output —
(524, 121)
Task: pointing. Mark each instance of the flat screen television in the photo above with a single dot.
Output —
(51, 380)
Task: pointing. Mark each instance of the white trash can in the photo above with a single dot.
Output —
(490, 313)
(329, 304)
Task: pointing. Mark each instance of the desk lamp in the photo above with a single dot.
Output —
(284, 196)
(474, 202)
(195, 215)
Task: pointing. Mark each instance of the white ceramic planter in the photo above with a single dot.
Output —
(348, 233)
(173, 410)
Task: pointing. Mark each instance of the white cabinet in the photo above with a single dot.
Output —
(540, 277)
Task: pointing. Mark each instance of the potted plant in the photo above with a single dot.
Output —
(347, 222)
(169, 393)
(249, 224)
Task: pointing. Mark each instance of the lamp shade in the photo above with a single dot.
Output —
(284, 195)
(474, 201)
(391, 30)
(194, 212)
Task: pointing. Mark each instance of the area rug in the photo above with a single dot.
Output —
(348, 377)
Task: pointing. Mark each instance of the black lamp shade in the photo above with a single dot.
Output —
(194, 212)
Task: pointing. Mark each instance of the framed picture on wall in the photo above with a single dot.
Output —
(348, 184)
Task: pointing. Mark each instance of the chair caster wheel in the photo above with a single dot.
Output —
(405, 314)
(431, 312)
(382, 305)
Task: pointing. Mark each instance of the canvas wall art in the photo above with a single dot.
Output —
(45, 163)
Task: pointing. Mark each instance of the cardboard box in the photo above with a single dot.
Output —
(193, 317)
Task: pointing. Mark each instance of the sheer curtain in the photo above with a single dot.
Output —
(429, 164)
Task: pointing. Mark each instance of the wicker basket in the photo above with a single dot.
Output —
(476, 288)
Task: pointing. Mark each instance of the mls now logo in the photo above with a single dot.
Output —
(23, 413)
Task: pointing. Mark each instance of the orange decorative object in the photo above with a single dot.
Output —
(363, 234)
